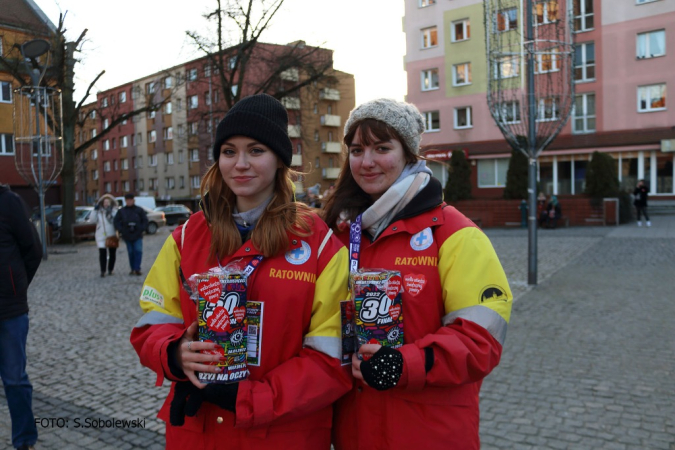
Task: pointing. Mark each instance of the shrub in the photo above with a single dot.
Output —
(517, 176)
(601, 177)
(458, 186)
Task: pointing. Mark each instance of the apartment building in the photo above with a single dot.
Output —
(165, 152)
(623, 63)
(20, 21)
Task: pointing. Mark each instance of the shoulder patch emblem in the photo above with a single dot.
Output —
(299, 255)
(493, 293)
(422, 240)
(152, 295)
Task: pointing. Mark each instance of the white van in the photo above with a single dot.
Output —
(140, 200)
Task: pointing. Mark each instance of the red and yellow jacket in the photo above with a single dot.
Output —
(288, 397)
(457, 302)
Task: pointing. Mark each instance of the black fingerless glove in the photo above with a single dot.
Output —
(187, 398)
(384, 369)
(222, 395)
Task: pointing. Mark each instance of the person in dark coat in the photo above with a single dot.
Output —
(641, 193)
(131, 221)
(20, 256)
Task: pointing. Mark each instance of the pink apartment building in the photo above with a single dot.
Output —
(624, 65)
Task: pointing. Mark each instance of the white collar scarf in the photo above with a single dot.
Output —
(378, 216)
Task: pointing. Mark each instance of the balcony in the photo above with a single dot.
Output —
(296, 161)
(329, 120)
(331, 147)
(329, 94)
(330, 173)
(294, 131)
(290, 74)
(291, 102)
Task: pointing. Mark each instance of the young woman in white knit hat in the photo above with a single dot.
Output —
(456, 302)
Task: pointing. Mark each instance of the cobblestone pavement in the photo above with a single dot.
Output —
(581, 369)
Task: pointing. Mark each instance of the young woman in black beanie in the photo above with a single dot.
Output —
(300, 273)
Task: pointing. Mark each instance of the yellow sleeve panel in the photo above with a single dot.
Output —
(472, 275)
(329, 291)
(161, 290)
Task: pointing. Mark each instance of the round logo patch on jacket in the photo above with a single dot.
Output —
(299, 255)
(422, 240)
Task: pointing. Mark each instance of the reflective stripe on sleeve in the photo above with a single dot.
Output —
(331, 346)
(483, 316)
(156, 318)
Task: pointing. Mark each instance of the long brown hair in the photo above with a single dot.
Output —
(270, 233)
(348, 195)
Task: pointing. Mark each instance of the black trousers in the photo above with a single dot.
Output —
(643, 210)
(108, 257)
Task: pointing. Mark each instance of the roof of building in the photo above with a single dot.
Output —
(592, 142)
(25, 15)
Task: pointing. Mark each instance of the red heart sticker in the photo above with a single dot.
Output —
(219, 320)
(393, 287)
(414, 283)
(218, 351)
(395, 311)
(239, 313)
(210, 290)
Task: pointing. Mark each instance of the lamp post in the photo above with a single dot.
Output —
(31, 51)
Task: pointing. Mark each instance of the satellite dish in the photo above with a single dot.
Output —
(35, 48)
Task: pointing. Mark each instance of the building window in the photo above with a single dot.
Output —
(232, 63)
(152, 136)
(460, 30)
(106, 145)
(194, 128)
(192, 75)
(167, 108)
(94, 155)
(106, 166)
(170, 183)
(93, 133)
(507, 67)
(139, 161)
(316, 136)
(152, 160)
(546, 12)
(123, 97)
(492, 172)
(429, 37)
(425, 3)
(94, 174)
(194, 155)
(316, 109)
(181, 130)
(463, 118)
(181, 182)
(547, 62)
(141, 184)
(432, 120)
(583, 15)
(547, 109)
(234, 89)
(179, 104)
(195, 181)
(207, 70)
(584, 62)
(125, 164)
(107, 187)
(92, 115)
(151, 87)
(104, 102)
(507, 19)
(583, 114)
(193, 102)
(168, 82)
(125, 186)
(651, 44)
(181, 157)
(5, 92)
(317, 162)
(137, 139)
(153, 184)
(168, 133)
(115, 165)
(207, 99)
(6, 144)
(461, 74)
(509, 112)
(106, 122)
(429, 79)
(152, 114)
(168, 158)
(652, 98)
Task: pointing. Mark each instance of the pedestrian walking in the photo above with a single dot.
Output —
(20, 256)
(456, 301)
(105, 235)
(553, 212)
(641, 193)
(299, 274)
(131, 221)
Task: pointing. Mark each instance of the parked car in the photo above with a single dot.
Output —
(83, 229)
(145, 201)
(156, 219)
(175, 214)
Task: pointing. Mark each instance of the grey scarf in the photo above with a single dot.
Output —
(250, 218)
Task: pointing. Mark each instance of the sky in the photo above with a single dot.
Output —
(130, 39)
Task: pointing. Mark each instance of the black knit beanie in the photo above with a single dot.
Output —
(260, 117)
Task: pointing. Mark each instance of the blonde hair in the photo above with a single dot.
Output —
(270, 235)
